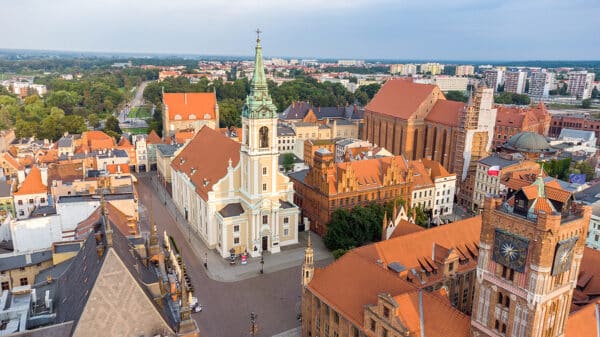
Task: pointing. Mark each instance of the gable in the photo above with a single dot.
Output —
(117, 305)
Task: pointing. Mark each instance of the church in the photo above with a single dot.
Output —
(232, 193)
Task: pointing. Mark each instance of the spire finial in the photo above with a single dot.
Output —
(258, 35)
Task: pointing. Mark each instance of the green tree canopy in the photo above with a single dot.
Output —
(458, 96)
(112, 124)
(512, 98)
(65, 100)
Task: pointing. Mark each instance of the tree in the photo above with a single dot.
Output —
(356, 227)
(586, 103)
(526, 86)
(584, 167)
(558, 168)
(93, 120)
(24, 129)
(65, 100)
(230, 112)
(512, 98)
(112, 124)
(595, 93)
(455, 95)
(562, 90)
(288, 161)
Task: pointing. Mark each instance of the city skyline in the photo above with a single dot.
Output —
(463, 30)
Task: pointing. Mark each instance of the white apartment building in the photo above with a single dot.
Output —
(541, 83)
(514, 81)
(465, 70)
(493, 78)
(431, 68)
(580, 84)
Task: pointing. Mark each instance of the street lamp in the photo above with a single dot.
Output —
(206, 260)
(253, 326)
(262, 262)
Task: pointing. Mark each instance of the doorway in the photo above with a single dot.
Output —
(265, 243)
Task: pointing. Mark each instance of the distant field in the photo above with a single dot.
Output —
(136, 131)
(140, 112)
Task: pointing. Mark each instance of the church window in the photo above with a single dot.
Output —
(264, 171)
(24, 281)
(286, 220)
(386, 312)
(286, 232)
(265, 219)
(236, 241)
(246, 134)
(264, 137)
(264, 187)
(236, 228)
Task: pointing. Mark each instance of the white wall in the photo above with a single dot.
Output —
(35, 233)
(72, 213)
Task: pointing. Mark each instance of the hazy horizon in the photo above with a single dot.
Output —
(463, 30)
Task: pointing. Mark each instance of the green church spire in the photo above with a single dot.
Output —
(259, 103)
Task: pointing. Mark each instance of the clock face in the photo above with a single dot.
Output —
(510, 250)
(563, 255)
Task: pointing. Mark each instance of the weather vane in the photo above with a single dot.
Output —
(258, 34)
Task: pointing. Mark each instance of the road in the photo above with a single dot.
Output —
(137, 100)
(275, 297)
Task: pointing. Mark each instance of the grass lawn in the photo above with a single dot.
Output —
(136, 131)
(140, 112)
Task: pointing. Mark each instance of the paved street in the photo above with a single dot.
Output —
(138, 100)
(274, 296)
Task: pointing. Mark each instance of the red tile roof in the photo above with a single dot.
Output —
(404, 228)
(400, 98)
(437, 170)
(32, 183)
(205, 159)
(445, 112)
(191, 106)
(12, 161)
(118, 168)
(583, 322)
(183, 136)
(124, 142)
(153, 138)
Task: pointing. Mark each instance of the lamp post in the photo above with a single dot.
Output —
(253, 326)
(206, 260)
(262, 262)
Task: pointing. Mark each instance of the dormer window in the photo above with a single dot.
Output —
(451, 266)
(386, 312)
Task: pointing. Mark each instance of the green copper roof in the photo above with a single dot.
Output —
(259, 104)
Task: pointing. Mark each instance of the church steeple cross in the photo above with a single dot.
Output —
(258, 35)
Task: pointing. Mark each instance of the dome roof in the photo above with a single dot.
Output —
(528, 142)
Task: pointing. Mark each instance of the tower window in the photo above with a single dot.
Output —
(264, 171)
(264, 187)
(264, 136)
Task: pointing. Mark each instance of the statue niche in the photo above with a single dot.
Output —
(263, 133)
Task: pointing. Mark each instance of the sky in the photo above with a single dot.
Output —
(476, 30)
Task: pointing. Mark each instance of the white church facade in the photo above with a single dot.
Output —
(233, 194)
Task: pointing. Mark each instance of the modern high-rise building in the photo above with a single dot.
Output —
(581, 84)
(465, 70)
(403, 69)
(540, 83)
(514, 81)
(493, 78)
(431, 68)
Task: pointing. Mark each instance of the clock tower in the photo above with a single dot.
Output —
(530, 251)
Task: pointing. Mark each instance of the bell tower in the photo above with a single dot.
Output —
(259, 151)
(530, 252)
(308, 267)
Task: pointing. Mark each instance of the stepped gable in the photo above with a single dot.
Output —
(205, 159)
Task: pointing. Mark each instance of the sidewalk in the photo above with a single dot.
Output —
(219, 269)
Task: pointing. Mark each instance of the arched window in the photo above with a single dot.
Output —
(246, 135)
(264, 136)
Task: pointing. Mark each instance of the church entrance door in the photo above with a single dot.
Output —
(265, 243)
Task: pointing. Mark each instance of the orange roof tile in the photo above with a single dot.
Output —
(557, 194)
(50, 156)
(118, 168)
(437, 170)
(400, 98)
(32, 183)
(368, 281)
(421, 178)
(404, 227)
(96, 140)
(191, 106)
(407, 249)
(183, 136)
(205, 159)
(445, 112)
(66, 172)
(8, 158)
(509, 116)
(124, 223)
(153, 138)
(543, 204)
(530, 191)
(124, 142)
(583, 322)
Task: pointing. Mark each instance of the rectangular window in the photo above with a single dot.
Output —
(236, 241)
(451, 266)
(20, 202)
(42, 200)
(265, 219)
(373, 325)
(236, 228)
(264, 171)
(264, 187)
(286, 232)
(31, 201)
(386, 312)
(24, 281)
(5, 286)
(286, 220)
